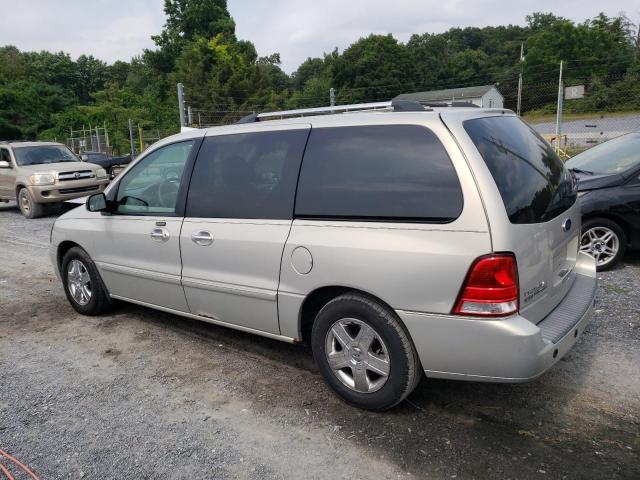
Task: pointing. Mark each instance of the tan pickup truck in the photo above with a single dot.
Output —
(38, 173)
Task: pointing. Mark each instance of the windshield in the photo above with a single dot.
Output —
(43, 154)
(534, 185)
(614, 156)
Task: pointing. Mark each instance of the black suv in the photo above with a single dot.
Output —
(109, 163)
(609, 190)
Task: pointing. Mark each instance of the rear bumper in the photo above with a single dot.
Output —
(509, 350)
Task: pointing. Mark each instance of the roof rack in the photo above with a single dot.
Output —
(393, 106)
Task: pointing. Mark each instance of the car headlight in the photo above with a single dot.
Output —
(42, 179)
(101, 173)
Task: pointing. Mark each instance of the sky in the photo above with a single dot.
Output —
(120, 29)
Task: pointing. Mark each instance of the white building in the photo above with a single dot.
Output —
(486, 96)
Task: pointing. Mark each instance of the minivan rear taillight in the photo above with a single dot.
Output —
(491, 287)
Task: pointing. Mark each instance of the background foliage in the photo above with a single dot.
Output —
(44, 94)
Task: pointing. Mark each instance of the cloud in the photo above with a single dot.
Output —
(118, 30)
(302, 28)
(105, 29)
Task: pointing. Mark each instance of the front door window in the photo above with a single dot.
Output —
(152, 185)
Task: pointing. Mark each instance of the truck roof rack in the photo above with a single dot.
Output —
(455, 103)
(392, 106)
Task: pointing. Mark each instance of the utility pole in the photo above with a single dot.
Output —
(98, 139)
(559, 110)
(183, 121)
(190, 115)
(133, 153)
(637, 52)
(520, 79)
(93, 148)
(141, 142)
(106, 136)
(332, 97)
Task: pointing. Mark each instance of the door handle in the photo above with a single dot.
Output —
(202, 238)
(159, 235)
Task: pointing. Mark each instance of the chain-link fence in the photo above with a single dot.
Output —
(89, 139)
(223, 116)
(147, 136)
(593, 109)
(134, 138)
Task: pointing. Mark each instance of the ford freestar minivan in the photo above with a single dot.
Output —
(396, 242)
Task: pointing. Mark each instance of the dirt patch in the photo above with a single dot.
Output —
(143, 394)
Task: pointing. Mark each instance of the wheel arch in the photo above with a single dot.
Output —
(319, 297)
(62, 250)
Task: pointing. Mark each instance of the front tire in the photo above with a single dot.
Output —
(82, 283)
(364, 353)
(28, 206)
(605, 240)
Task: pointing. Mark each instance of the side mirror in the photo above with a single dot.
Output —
(97, 203)
(4, 164)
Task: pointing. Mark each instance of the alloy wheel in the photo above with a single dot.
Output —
(357, 355)
(602, 243)
(79, 282)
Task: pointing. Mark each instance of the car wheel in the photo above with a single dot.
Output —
(605, 240)
(364, 353)
(28, 206)
(82, 283)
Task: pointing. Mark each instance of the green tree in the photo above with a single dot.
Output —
(92, 76)
(375, 67)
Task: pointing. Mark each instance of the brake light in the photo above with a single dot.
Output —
(491, 287)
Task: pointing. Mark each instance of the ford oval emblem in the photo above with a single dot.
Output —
(566, 226)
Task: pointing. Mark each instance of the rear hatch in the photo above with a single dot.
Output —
(531, 205)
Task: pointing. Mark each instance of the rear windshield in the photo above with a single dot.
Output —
(534, 185)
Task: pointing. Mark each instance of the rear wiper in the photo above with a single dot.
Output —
(579, 170)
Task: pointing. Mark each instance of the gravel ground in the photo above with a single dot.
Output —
(143, 394)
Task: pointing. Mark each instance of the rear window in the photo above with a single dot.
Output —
(534, 185)
(380, 172)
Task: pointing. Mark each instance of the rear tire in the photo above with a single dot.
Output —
(605, 240)
(82, 283)
(364, 353)
(28, 206)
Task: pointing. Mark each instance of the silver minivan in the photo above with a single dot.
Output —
(397, 241)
